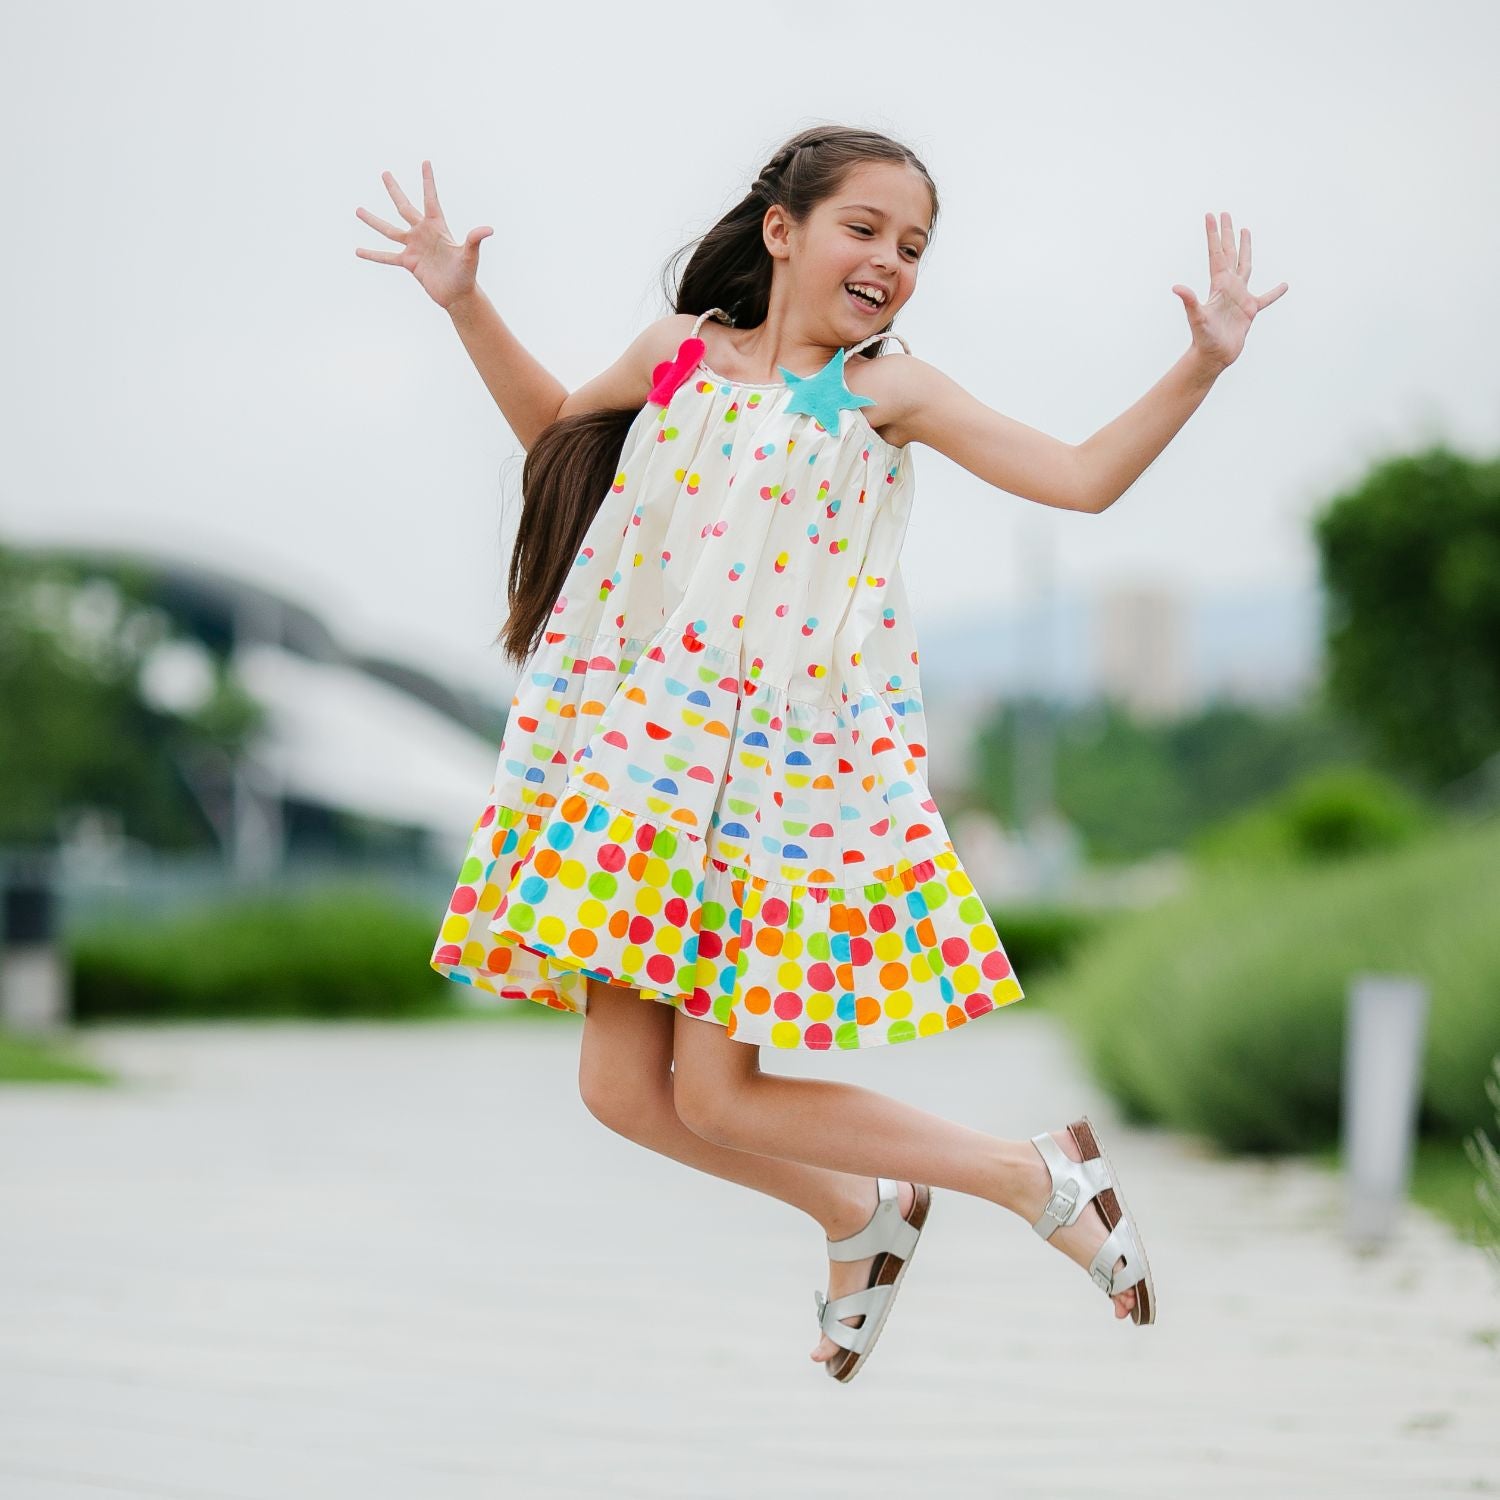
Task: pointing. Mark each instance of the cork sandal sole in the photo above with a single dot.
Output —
(888, 1269)
(1112, 1207)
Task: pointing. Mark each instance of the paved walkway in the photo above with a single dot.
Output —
(405, 1262)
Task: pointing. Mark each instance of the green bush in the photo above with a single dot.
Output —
(1222, 1012)
(340, 952)
(1329, 814)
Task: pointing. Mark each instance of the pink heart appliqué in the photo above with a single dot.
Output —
(668, 375)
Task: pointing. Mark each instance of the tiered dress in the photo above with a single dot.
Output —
(711, 785)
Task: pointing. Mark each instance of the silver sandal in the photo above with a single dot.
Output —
(1074, 1183)
(892, 1240)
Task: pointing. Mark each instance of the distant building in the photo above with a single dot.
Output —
(1141, 646)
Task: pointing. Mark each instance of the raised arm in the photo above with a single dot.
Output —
(529, 396)
(527, 393)
(1090, 476)
(930, 407)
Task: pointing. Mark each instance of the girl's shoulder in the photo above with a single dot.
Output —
(892, 381)
(668, 333)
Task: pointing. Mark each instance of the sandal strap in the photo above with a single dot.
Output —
(868, 1301)
(887, 1230)
(1121, 1241)
(1074, 1185)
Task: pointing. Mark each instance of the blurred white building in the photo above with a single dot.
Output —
(1142, 649)
(355, 751)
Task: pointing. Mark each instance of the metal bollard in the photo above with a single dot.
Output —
(34, 988)
(1383, 1042)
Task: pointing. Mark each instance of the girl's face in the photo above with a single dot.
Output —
(870, 233)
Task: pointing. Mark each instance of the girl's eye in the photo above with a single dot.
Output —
(915, 253)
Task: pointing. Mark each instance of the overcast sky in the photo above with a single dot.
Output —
(196, 361)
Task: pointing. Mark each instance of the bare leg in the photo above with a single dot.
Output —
(722, 1094)
(625, 1077)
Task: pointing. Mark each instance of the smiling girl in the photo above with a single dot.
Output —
(710, 828)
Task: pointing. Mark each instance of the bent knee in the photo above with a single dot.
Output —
(628, 1106)
(708, 1113)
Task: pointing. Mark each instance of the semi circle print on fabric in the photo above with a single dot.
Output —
(711, 785)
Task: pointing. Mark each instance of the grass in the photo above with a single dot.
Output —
(28, 1059)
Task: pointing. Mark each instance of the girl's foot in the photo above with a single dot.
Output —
(845, 1276)
(1081, 1240)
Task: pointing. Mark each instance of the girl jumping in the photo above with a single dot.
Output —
(711, 789)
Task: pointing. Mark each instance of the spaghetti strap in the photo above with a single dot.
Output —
(875, 338)
(713, 312)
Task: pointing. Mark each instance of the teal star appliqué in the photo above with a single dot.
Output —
(824, 395)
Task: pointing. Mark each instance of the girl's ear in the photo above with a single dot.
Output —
(776, 231)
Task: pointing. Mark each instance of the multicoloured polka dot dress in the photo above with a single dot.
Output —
(711, 783)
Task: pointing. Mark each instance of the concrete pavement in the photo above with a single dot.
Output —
(404, 1261)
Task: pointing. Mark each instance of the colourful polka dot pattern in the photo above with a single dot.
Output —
(711, 783)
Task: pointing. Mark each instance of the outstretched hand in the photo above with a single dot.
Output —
(446, 269)
(1220, 324)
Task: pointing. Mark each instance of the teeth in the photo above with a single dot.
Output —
(874, 293)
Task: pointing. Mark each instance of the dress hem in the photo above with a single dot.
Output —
(837, 1013)
(863, 1043)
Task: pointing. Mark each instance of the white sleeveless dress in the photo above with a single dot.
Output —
(711, 783)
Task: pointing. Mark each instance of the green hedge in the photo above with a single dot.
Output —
(1329, 814)
(1222, 1013)
(336, 952)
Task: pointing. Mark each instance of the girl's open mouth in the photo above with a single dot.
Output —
(866, 304)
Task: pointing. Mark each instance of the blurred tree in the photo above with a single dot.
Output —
(1411, 566)
(77, 732)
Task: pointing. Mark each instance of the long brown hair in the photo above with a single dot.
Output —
(571, 465)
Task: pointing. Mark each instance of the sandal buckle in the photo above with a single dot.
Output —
(1062, 1202)
(1105, 1279)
